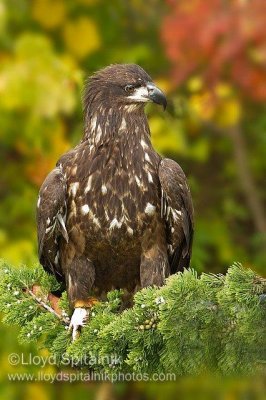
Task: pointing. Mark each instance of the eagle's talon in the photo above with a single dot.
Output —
(78, 320)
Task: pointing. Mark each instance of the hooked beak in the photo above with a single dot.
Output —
(156, 95)
(149, 92)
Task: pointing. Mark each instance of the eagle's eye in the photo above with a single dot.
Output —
(129, 88)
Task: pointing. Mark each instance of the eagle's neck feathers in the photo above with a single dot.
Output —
(127, 124)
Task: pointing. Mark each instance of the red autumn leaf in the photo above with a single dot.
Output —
(219, 40)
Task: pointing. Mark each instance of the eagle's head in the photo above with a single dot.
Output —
(121, 85)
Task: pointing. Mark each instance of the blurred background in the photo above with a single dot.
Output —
(209, 56)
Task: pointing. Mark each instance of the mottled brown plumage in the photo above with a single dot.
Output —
(113, 214)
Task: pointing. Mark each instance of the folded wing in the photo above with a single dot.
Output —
(51, 216)
(177, 211)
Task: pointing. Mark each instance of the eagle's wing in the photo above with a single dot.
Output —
(51, 215)
(177, 211)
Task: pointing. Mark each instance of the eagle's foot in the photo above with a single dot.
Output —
(78, 320)
(80, 316)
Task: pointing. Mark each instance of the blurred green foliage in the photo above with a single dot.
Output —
(48, 47)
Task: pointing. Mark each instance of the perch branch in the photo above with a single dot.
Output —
(48, 308)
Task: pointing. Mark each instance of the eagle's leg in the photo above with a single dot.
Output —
(154, 266)
(80, 278)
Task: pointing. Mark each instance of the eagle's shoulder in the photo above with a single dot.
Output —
(69, 157)
(171, 172)
(174, 182)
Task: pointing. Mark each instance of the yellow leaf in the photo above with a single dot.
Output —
(223, 90)
(194, 84)
(202, 106)
(81, 36)
(36, 79)
(228, 113)
(49, 13)
(221, 107)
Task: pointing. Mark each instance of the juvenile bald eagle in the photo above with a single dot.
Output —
(113, 213)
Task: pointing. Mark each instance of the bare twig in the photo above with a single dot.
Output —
(47, 307)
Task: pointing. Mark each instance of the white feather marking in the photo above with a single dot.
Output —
(170, 248)
(39, 201)
(130, 231)
(74, 170)
(61, 221)
(48, 221)
(150, 209)
(147, 158)
(149, 177)
(99, 135)
(85, 209)
(73, 209)
(56, 258)
(88, 187)
(115, 224)
(140, 94)
(137, 180)
(165, 207)
(73, 188)
(104, 189)
(93, 123)
(123, 124)
(162, 204)
(163, 265)
(47, 230)
(130, 107)
(96, 221)
(176, 214)
(143, 144)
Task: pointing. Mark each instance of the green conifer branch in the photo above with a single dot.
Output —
(193, 324)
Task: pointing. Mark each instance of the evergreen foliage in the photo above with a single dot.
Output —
(193, 324)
